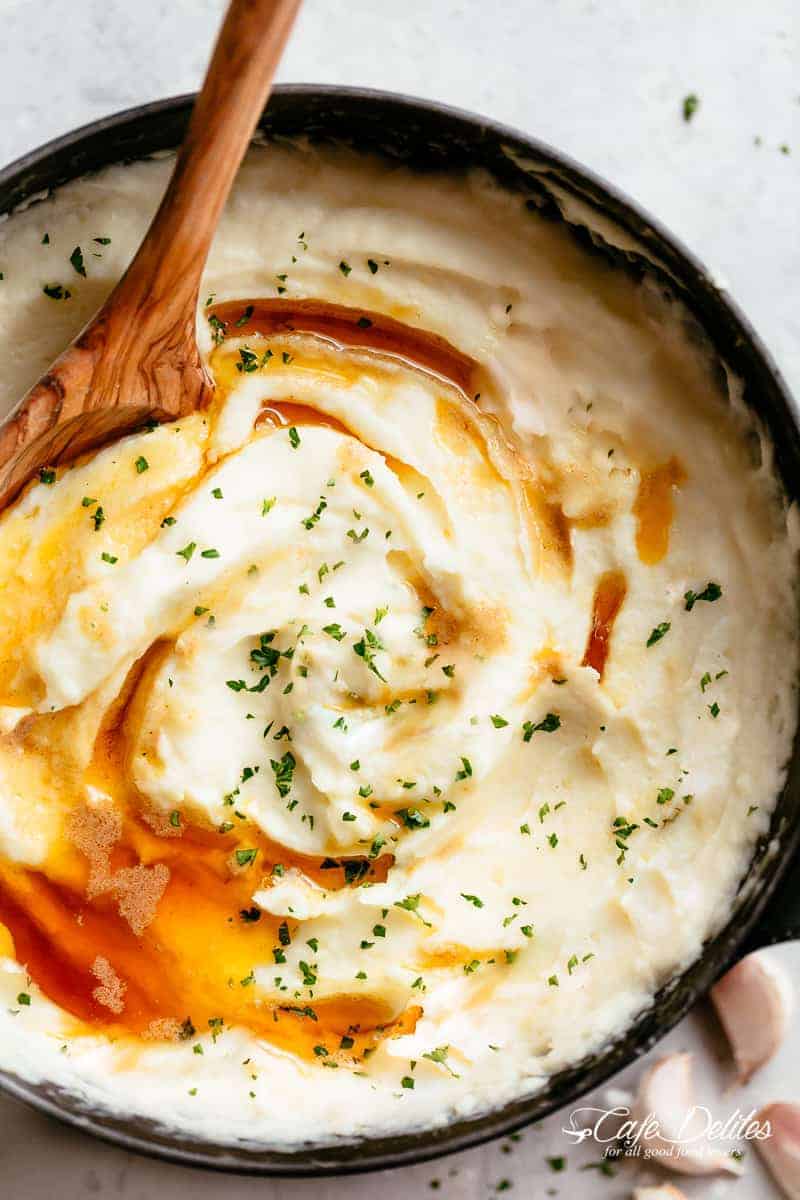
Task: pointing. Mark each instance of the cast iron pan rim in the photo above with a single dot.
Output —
(420, 1146)
(490, 129)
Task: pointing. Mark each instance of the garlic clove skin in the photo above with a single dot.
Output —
(661, 1191)
(666, 1093)
(781, 1151)
(754, 1002)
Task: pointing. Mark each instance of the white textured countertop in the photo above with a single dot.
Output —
(602, 80)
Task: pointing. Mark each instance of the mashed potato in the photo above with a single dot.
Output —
(378, 741)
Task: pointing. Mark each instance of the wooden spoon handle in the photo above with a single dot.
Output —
(137, 359)
(170, 261)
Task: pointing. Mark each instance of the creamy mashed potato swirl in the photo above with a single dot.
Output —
(378, 741)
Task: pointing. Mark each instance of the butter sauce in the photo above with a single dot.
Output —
(609, 596)
(346, 326)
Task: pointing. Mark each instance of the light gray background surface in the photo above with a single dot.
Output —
(603, 80)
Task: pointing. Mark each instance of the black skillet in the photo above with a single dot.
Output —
(430, 136)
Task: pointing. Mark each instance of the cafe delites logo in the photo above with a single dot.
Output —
(697, 1134)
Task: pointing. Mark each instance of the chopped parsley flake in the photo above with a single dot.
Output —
(309, 975)
(248, 361)
(439, 1055)
(411, 904)
(658, 633)
(712, 591)
(549, 724)
(603, 1166)
(412, 818)
(310, 522)
(366, 649)
(284, 773)
(466, 769)
(218, 329)
(76, 258)
(691, 103)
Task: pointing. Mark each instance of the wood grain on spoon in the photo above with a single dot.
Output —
(137, 360)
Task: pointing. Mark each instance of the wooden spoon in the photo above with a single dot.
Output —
(137, 360)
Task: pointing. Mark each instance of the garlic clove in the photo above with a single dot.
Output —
(754, 1003)
(781, 1150)
(666, 1094)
